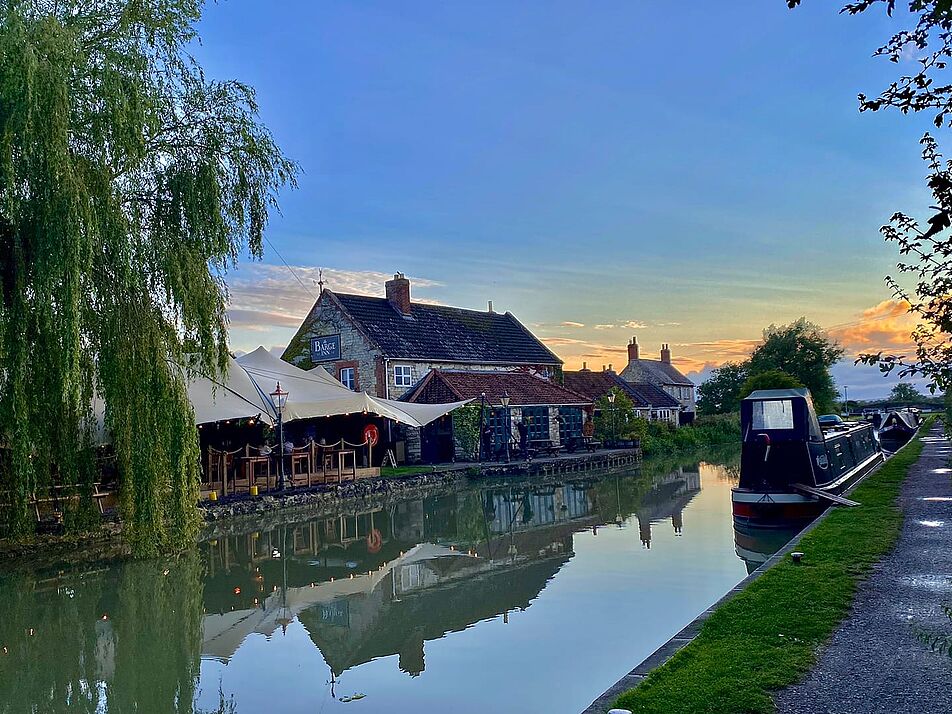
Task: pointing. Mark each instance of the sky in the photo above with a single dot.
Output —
(683, 172)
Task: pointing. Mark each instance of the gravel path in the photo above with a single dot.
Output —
(874, 662)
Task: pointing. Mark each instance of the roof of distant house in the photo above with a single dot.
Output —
(596, 384)
(524, 389)
(654, 371)
(440, 333)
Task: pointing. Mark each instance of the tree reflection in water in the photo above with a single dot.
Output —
(131, 636)
(124, 638)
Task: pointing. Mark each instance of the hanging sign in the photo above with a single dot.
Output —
(325, 348)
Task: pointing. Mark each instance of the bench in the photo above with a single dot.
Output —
(544, 446)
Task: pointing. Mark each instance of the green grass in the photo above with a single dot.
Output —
(769, 635)
(391, 472)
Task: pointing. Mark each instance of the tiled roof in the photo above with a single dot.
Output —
(596, 384)
(439, 333)
(654, 371)
(524, 389)
(654, 396)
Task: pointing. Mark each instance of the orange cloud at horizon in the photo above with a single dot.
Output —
(886, 326)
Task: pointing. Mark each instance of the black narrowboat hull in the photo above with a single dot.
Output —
(781, 508)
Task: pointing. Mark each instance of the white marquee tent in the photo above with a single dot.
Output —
(244, 392)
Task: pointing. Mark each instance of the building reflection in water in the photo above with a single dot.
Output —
(383, 582)
(130, 636)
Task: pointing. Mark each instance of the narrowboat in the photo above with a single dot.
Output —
(897, 429)
(791, 467)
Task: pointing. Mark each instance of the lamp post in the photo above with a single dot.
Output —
(611, 401)
(846, 400)
(280, 399)
(505, 405)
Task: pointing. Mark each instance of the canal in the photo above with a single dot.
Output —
(518, 596)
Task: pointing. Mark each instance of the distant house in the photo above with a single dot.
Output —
(649, 402)
(663, 374)
(387, 345)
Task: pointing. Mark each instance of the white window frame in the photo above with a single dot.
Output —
(402, 375)
(353, 374)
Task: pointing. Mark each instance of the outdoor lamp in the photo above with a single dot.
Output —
(611, 397)
(279, 397)
(505, 399)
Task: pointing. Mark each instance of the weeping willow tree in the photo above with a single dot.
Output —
(129, 184)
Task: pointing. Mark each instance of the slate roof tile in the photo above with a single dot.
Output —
(440, 333)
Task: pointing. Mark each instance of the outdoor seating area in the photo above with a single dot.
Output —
(229, 473)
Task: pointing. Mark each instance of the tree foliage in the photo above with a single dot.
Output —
(129, 184)
(771, 379)
(611, 420)
(925, 249)
(803, 351)
(796, 355)
(905, 393)
(720, 394)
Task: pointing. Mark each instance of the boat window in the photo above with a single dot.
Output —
(773, 414)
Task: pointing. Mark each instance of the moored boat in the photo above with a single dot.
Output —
(791, 467)
(897, 429)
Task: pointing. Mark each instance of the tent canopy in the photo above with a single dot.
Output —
(246, 387)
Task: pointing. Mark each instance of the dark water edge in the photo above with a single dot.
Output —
(535, 557)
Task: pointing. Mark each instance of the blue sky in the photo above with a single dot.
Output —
(687, 172)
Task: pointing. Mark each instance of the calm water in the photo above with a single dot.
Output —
(522, 598)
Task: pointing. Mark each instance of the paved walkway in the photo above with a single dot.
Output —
(874, 662)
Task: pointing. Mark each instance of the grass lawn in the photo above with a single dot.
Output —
(390, 472)
(768, 636)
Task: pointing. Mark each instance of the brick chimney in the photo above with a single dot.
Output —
(398, 293)
(665, 353)
(633, 349)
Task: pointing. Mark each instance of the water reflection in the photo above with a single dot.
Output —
(755, 545)
(362, 587)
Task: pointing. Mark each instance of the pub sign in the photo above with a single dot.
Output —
(325, 348)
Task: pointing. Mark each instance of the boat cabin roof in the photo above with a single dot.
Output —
(767, 394)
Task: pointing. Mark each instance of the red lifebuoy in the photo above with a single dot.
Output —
(374, 541)
(371, 434)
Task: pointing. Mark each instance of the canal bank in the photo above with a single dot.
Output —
(765, 633)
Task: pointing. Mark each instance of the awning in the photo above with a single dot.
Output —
(245, 391)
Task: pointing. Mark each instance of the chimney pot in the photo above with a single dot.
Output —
(633, 352)
(398, 293)
(584, 366)
(490, 305)
(666, 353)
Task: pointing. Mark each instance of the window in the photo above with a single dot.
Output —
(570, 426)
(348, 377)
(402, 375)
(537, 419)
(773, 414)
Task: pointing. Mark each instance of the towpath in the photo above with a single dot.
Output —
(875, 662)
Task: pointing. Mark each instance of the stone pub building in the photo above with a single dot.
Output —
(389, 345)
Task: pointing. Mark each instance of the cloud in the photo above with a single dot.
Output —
(569, 323)
(635, 325)
(266, 297)
(604, 327)
(887, 326)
